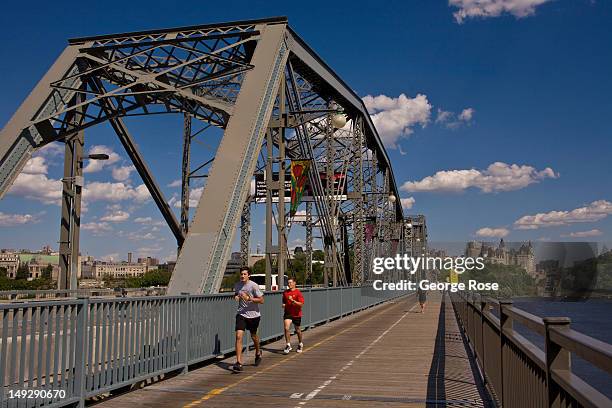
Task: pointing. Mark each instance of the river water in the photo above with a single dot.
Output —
(592, 317)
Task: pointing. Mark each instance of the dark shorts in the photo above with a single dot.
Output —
(245, 323)
(297, 321)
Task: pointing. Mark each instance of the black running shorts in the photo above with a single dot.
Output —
(297, 321)
(245, 323)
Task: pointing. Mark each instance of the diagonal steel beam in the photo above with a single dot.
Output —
(201, 263)
(19, 138)
(141, 166)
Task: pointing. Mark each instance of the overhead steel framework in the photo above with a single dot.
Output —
(276, 101)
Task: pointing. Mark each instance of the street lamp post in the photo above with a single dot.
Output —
(72, 187)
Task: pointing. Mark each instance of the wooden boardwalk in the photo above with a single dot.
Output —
(388, 356)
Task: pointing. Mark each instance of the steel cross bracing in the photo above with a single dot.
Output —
(248, 78)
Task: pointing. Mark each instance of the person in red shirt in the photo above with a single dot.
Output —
(292, 303)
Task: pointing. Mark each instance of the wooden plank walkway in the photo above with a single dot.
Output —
(389, 355)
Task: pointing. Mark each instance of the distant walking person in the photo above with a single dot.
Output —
(292, 303)
(249, 296)
(422, 295)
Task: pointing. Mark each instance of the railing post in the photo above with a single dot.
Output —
(185, 324)
(81, 352)
(556, 358)
(327, 301)
(341, 290)
(505, 326)
(472, 308)
(482, 305)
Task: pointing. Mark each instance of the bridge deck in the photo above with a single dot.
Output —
(389, 355)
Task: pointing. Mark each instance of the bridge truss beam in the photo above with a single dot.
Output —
(247, 78)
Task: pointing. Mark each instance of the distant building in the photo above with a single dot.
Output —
(10, 261)
(118, 269)
(149, 261)
(168, 266)
(233, 265)
(37, 262)
(523, 257)
(87, 267)
(253, 258)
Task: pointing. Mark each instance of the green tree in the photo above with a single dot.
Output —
(47, 272)
(109, 280)
(513, 280)
(23, 272)
(318, 255)
(317, 274)
(228, 282)
(259, 267)
(3, 272)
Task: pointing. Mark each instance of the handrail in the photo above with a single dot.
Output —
(88, 346)
(528, 320)
(594, 351)
(512, 364)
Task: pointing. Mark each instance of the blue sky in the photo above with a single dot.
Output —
(502, 129)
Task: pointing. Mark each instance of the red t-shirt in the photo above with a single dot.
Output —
(290, 308)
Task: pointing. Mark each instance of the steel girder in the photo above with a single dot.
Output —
(226, 75)
(197, 70)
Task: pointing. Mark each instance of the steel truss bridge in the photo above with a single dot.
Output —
(275, 100)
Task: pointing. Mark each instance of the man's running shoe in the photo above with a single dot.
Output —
(287, 349)
(237, 368)
(300, 348)
(257, 359)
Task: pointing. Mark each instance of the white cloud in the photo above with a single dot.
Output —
(122, 173)
(33, 183)
(38, 187)
(194, 198)
(36, 165)
(444, 116)
(146, 251)
(492, 232)
(466, 114)
(395, 117)
(407, 203)
(97, 227)
(51, 150)
(297, 242)
(452, 121)
(493, 8)
(110, 257)
(137, 235)
(97, 165)
(595, 211)
(497, 177)
(175, 183)
(584, 234)
(10, 220)
(148, 221)
(114, 192)
(116, 216)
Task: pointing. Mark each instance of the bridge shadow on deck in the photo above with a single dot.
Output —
(453, 379)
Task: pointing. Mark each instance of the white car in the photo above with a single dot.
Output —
(260, 279)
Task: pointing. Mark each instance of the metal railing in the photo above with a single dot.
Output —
(65, 351)
(517, 372)
(12, 295)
